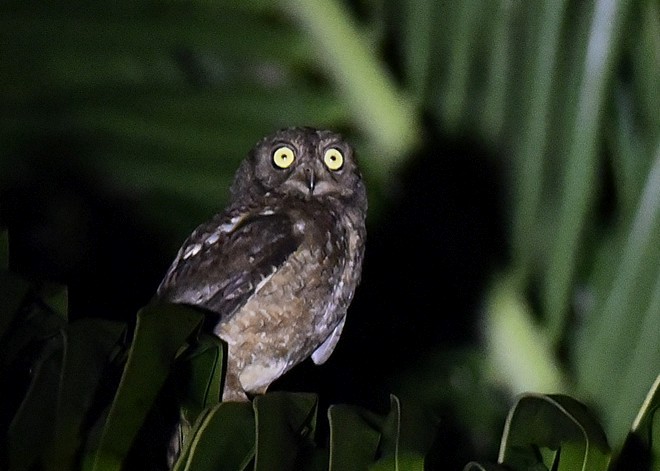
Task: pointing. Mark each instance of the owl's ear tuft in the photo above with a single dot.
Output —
(243, 179)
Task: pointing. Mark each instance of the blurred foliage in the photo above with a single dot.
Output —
(60, 412)
(160, 101)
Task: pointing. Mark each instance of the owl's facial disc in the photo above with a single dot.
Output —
(301, 162)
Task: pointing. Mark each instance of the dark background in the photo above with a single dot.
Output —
(498, 169)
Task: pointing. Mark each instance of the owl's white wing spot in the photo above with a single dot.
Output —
(212, 239)
(226, 227)
(300, 227)
(265, 280)
(192, 250)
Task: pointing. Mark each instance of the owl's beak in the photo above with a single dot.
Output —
(304, 180)
(311, 179)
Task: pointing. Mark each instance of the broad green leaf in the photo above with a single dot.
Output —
(646, 62)
(643, 367)
(201, 370)
(32, 327)
(453, 107)
(222, 439)
(89, 343)
(32, 427)
(30, 367)
(390, 429)
(534, 134)
(540, 425)
(617, 356)
(499, 73)
(358, 437)
(416, 37)
(204, 368)
(579, 174)
(160, 334)
(517, 347)
(353, 440)
(643, 442)
(285, 425)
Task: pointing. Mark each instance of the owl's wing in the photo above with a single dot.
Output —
(324, 351)
(221, 264)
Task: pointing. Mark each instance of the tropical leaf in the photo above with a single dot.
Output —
(285, 425)
(554, 431)
(642, 446)
(359, 438)
(205, 375)
(88, 347)
(160, 334)
(353, 443)
(32, 427)
(222, 439)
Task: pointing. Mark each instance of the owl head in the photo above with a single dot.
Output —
(301, 162)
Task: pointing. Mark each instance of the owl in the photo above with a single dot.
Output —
(277, 269)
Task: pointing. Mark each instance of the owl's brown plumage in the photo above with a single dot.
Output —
(280, 265)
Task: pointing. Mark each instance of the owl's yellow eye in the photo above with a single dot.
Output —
(333, 159)
(283, 157)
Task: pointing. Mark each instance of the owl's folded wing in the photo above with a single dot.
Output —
(219, 270)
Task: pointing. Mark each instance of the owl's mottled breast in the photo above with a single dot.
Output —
(298, 306)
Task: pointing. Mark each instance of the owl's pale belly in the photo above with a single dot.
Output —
(286, 319)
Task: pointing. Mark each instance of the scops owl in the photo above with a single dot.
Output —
(278, 268)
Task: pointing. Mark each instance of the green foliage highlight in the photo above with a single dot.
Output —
(32, 426)
(204, 365)
(56, 425)
(222, 440)
(580, 169)
(377, 106)
(88, 345)
(285, 425)
(556, 431)
(160, 333)
(642, 444)
(360, 439)
(520, 352)
(615, 333)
